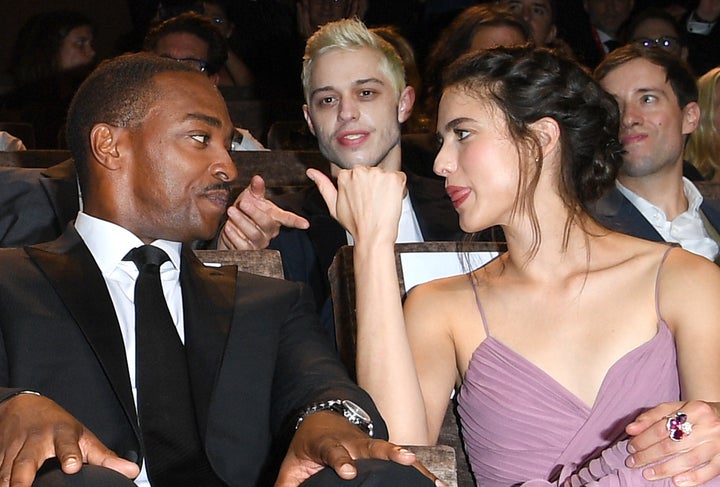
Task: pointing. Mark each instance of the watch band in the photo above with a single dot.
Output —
(351, 411)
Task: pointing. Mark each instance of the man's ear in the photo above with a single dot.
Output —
(308, 120)
(405, 103)
(691, 118)
(104, 140)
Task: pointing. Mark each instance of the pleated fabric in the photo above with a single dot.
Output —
(520, 425)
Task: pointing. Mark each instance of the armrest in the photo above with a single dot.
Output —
(440, 460)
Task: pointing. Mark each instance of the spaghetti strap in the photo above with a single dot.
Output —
(473, 280)
(657, 282)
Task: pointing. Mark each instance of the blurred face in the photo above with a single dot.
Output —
(538, 14)
(354, 111)
(659, 33)
(76, 49)
(184, 47)
(219, 17)
(323, 11)
(180, 167)
(608, 15)
(653, 126)
(478, 160)
(496, 35)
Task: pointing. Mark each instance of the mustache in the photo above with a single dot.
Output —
(218, 187)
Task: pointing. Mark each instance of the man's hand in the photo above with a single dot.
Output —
(254, 220)
(34, 428)
(328, 439)
(652, 446)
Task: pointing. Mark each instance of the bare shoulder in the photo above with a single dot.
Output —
(688, 285)
(446, 301)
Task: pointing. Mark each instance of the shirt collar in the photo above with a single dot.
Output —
(692, 194)
(109, 243)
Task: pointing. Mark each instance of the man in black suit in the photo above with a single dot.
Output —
(657, 96)
(356, 101)
(150, 138)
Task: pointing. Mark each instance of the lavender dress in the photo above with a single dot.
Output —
(521, 426)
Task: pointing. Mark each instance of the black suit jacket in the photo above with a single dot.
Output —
(36, 204)
(254, 349)
(616, 212)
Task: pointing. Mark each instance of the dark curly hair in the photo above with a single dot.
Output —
(118, 92)
(528, 84)
(197, 25)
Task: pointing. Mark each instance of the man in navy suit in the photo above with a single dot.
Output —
(150, 139)
(657, 97)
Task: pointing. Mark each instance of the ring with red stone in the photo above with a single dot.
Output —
(678, 426)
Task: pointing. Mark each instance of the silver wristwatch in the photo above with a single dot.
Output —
(352, 412)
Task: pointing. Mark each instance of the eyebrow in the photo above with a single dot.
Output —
(359, 82)
(210, 120)
(455, 122)
(654, 91)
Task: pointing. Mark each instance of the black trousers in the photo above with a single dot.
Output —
(371, 473)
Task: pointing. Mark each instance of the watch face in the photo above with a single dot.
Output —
(356, 411)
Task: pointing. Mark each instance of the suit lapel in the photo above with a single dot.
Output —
(326, 234)
(616, 212)
(208, 304)
(71, 269)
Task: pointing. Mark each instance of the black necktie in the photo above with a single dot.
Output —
(173, 452)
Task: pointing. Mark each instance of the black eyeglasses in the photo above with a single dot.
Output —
(669, 43)
(197, 64)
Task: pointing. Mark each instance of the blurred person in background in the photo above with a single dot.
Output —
(703, 148)
(478, 27)
(53, 54)
(654, 27)
(234, 72)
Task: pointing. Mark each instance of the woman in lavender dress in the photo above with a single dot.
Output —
(573, 348)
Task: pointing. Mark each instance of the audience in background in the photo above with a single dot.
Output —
(311, 14)
(234, 72)
(53, 53)
(478, 27)
(657, 96)
(703, 35)
(539, 15)
(654, 27)
(192, 39)
(703, 147)
(604, 17)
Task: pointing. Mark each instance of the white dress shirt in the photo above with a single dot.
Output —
(108, 244)
(687, 228)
